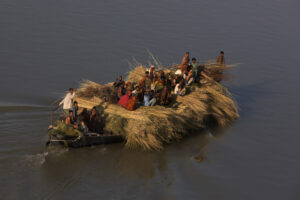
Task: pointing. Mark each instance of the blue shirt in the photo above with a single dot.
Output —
(146, 99)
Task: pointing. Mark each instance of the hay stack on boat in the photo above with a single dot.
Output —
(149, 128)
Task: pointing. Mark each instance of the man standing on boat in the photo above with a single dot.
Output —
(68, 101)
(221, 59)
(185, 62)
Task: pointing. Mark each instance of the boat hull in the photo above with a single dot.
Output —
(83, 141)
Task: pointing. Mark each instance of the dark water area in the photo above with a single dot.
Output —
(49, 46)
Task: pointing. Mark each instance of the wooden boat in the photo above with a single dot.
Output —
(87, 139)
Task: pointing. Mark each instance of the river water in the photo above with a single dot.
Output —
(49, 46)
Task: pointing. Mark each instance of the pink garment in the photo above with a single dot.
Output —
(123, 100)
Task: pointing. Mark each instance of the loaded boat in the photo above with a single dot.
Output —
(150, 127)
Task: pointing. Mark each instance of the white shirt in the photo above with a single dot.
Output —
(177, 89)
(68, 101)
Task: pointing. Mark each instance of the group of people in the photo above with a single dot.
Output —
(158, 87)
(85, 121)
(155, 88)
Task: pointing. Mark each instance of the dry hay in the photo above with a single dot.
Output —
(64, 129)
(149, 128)
(89, 89)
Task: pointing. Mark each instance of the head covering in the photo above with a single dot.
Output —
(178, 72)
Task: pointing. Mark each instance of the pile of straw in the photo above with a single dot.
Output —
(149, 128)
(89, 89)
(64, 130)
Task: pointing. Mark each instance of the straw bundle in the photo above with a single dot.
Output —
(64, 129)
(89, 89)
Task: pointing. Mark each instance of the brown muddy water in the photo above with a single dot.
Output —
(49, 46)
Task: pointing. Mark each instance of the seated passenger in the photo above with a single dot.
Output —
(121, 90)
(70, 120)
(152, 98)
(145, 82)
(123, 100)
(118, 82)
(131, 102)
(134, 89)
(159, 84)
(157, 97)
(94, 123)
(162, 76)
(152, 73)
(169, 80)
(146, 98)
(195, 68)
(83, 124)
(189, 78)
(164, 96)
(128, 86)
(221, 59)
(75, 110)
(179, 88)
(84, 116)
(175, 80)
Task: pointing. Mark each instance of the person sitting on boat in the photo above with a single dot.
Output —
(123, 100)
(84, 116)
(121, 90)
(128, 86)
(139, 94)
(145, 82)
(70, 120)
(159, 84)
(131, 103)
(184, 74)
(221, 59)
(83, 124)
(153, 100)
(152, 73)
(75, 110)
(94, 123)
(67, 102)
(164, 99)
(189, 79)
(195, 66)
(118, 82)
(169, 80)
(176, 80)
(179, 88)
(147, 98)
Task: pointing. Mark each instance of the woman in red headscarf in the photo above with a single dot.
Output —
(123, 100)
(128, 101)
